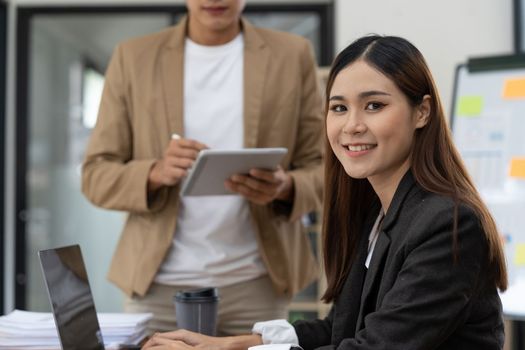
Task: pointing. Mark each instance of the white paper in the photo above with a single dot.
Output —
(21, 330)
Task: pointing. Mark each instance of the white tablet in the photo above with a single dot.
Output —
(213, 167)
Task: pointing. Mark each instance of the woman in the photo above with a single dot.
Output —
(412, 255)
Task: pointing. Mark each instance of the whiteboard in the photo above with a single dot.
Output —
(488, 125)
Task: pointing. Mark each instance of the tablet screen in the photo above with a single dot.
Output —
(213, 167)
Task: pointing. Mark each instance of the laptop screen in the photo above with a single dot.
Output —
(71, 300)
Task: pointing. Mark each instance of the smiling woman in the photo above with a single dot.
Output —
(391, 152)
(370, 125)
(412, 256)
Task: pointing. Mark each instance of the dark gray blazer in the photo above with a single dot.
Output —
(414, 296)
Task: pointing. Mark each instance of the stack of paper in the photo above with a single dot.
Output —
(37, 330)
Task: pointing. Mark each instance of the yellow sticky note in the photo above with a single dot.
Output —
(517, 167)
(519, 258)
(514, 88)
(470, 106)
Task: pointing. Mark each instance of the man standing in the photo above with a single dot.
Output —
(215, 81)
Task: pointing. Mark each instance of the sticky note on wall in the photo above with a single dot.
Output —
(514, 88)
(517, 167)
(519, 258)
(470, 106)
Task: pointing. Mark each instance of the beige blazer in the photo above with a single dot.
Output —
(142, 105)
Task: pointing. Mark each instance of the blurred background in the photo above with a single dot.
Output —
(53, 55)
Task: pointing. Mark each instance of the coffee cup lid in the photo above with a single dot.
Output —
(197, 295)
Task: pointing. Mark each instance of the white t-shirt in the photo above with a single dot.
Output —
(214, 242)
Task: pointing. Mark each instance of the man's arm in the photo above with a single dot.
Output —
(306, 164)
(298, 190)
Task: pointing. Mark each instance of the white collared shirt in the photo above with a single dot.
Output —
(372, 238)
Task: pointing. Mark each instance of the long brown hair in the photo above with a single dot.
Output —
(435, 163)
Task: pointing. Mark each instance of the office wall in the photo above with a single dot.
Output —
(446, 31)
(58, 213)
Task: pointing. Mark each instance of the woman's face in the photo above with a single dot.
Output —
(370, 124)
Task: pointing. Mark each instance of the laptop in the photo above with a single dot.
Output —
(71, 299)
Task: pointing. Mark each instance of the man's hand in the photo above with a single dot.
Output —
(263, 186)
(177, 159)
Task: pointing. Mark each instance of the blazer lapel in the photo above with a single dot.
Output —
(377, 264)
(349, 300)
(373, 276)
(256, 58)
(172, 68)
(347, 309)
(404, 187)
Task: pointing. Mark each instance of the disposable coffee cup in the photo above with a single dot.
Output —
(196, 310)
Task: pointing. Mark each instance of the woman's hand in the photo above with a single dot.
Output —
(186, 340)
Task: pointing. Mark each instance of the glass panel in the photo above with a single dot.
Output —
(306, 24)
(68, 56)
(68, 53)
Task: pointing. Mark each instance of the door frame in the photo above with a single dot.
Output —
(3, 91)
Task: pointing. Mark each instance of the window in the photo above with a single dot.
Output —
(519, 26)
(92, 85)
